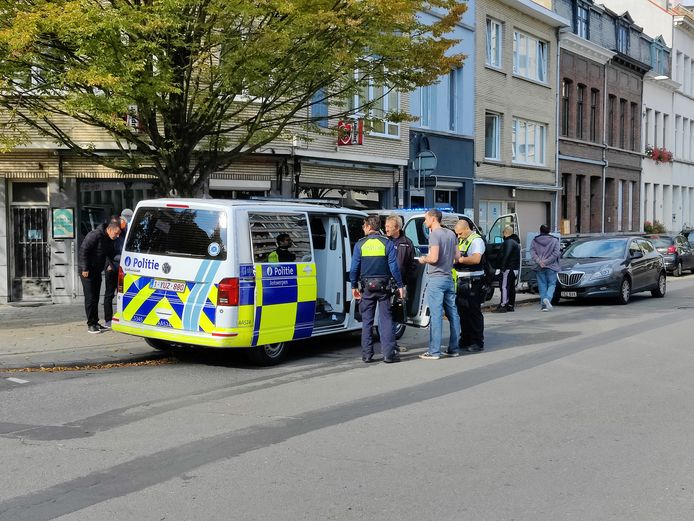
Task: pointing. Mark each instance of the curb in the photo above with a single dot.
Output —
(84, 362)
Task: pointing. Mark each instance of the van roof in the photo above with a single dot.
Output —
(237, 203)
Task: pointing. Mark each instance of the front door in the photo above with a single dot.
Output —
(30, 257)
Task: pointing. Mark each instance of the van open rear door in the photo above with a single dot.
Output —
(495, 241)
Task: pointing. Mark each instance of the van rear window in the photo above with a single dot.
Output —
(179, 232)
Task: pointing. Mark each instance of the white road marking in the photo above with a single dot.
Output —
(18, 380)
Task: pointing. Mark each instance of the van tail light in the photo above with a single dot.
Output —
(121, 277)
(228, 292)
(672, 249)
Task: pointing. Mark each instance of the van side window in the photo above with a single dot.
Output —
(318, 233)
(418, 234)
(354, 230)
(278, 237)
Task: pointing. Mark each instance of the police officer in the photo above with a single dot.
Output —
(282, 253)
(373, 264)
(470, 291)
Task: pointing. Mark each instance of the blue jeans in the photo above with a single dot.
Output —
(440, 298)
(546, 281)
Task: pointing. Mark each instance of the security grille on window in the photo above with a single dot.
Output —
(267, 227)
(493, 43)
(529, 57)
(528, 142)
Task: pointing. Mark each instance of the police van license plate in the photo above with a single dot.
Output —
(569, 294)
(168, 285)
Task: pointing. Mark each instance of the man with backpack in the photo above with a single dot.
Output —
(470, 288)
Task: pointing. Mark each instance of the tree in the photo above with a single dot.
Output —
(186, 87)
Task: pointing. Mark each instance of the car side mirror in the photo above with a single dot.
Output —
(636, 254)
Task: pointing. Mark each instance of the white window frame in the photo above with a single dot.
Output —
(497, 135)
(427, 105)
(522, 66)
(582, 23)
(494, 43)
(390, 129)
(623, 37)
(528, 129)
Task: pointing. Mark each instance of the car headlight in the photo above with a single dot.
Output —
(602, 273)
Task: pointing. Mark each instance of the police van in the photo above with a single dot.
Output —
(227, 274)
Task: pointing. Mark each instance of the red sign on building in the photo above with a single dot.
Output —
(350, 132)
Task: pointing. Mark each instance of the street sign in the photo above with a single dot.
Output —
(430, 181)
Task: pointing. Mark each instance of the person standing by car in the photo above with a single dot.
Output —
(404, 252)
(440, 292)
(95, 250)
(374, 263)
(282, 253)
(545, 253)
(111, 271)
(510, 260)
(470, 292)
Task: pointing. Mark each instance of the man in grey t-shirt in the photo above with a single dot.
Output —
(440, 291)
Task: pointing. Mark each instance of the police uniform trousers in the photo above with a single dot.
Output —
(469, 298)
(367, 307)
(92, 287)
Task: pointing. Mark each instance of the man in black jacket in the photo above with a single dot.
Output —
(96, 249)
(404, 251)
(510, 261)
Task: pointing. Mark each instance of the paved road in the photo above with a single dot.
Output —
(584, 413)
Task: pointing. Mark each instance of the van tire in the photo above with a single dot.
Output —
(399, 331)
(161, 345)
(268, 354)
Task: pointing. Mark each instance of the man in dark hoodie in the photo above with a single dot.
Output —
(510, 260)
(545, 253)
(95, 250)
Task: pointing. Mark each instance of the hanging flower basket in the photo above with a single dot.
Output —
(659, 155)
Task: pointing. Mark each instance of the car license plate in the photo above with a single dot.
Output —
(569, 294)
(168, 285)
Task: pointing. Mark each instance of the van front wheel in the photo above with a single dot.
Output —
(268, 354)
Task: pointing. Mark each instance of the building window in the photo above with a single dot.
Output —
(656, 126)
(492, 134)
(529, 57)
(319, 109)
(384, 100)
(565, 101)
(582, 21)
(594, 100)
(453, 77)
(494, 35)
(666, 121)
(580, 96)
(426, 105)
(622, 122)
(610, 120)
(632, 126)
(622, 38)
(528, 142)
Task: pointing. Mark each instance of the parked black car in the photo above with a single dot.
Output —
(676, 250)
(610, 267)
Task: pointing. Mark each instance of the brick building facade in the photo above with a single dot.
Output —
(602, 66)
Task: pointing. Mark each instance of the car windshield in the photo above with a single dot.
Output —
(603, 249)
(661, 242)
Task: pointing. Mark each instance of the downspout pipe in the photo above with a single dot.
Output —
(557, 97)
(605, 97)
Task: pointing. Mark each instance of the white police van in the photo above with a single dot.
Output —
(199, 272)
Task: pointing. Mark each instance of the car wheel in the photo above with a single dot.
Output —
(624, 292)
(399, 331)
(161, 345)
(268, 354)
(678, 270)
(659, 292)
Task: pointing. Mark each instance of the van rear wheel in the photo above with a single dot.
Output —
(268, 354)
(161, 345)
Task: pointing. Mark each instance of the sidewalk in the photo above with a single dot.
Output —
(55, 335)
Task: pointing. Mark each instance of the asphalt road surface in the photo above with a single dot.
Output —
(583, 413)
